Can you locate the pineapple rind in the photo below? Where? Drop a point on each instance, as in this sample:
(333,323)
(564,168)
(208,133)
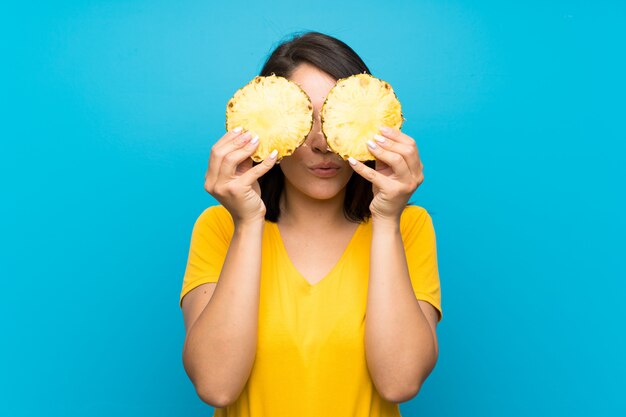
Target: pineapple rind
(275,109)
(354,110)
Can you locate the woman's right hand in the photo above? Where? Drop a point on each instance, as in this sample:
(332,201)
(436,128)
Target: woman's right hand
(233,180)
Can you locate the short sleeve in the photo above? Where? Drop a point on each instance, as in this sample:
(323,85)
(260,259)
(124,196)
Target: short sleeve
(210,239)
(418,236)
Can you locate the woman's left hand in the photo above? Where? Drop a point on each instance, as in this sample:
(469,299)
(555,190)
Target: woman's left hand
(398,173)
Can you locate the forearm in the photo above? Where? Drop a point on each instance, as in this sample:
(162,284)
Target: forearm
(220,348)
(399,344)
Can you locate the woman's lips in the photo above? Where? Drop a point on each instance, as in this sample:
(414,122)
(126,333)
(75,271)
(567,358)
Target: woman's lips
(325,171)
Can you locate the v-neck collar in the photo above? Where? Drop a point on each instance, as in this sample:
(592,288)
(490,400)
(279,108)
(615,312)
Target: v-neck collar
(301,279)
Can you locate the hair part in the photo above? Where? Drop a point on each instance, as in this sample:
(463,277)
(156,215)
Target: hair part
(339,61)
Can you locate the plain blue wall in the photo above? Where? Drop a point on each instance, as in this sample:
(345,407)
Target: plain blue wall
(109,109)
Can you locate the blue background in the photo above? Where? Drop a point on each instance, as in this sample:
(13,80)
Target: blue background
(109,110)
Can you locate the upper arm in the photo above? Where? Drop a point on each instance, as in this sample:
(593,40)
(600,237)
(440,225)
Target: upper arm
(210,240)
(432,315)
(420,243)
(195,301)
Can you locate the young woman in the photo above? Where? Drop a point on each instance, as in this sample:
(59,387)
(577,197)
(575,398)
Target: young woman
(313,288)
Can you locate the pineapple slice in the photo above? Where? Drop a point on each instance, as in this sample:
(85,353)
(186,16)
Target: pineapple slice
(275,109)
(355,108)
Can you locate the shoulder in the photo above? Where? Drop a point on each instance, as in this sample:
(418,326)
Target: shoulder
(414,216)
(214,213)
(413,211)
(215,218)
(416,225)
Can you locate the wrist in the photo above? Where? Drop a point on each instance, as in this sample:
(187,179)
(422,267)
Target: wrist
(249,224)
(384,223)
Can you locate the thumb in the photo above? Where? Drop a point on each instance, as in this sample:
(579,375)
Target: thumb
(244,167)
(256,172)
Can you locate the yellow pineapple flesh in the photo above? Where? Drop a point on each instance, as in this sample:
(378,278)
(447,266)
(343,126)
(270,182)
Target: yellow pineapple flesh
(275,109)
(354,110)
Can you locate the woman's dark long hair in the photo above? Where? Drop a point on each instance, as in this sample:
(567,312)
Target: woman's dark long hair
(338,60)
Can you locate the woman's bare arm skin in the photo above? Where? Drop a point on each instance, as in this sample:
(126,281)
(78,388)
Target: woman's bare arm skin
(400,339)
(221,343)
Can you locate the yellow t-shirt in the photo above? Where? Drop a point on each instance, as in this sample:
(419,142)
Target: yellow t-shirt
(310,358)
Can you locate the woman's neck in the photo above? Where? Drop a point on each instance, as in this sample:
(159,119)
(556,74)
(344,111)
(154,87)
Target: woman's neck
(299,210)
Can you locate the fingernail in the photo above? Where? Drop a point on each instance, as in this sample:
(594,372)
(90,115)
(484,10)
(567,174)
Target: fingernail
(352,160)
(273,154)
(385,129)
(254,140)
(379,138)
(238,129)
(371,144)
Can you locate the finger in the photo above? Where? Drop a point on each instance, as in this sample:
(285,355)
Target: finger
(218,153)
(396,135)
(379,180)
(235,138)
(244,166)
(232,138)
(228,136)
(231,160)
(256,172)
(393,159)
(409,152)
(236,143)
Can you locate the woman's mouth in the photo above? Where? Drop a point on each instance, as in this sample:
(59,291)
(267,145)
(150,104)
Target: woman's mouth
(325,170)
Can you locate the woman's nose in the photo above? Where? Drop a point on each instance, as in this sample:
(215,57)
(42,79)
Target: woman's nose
(318,143)
(316,139)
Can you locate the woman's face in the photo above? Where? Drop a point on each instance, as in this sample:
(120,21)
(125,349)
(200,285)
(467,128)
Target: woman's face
(313,169)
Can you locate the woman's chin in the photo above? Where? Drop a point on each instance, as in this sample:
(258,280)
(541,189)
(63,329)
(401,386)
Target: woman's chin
(323,193)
